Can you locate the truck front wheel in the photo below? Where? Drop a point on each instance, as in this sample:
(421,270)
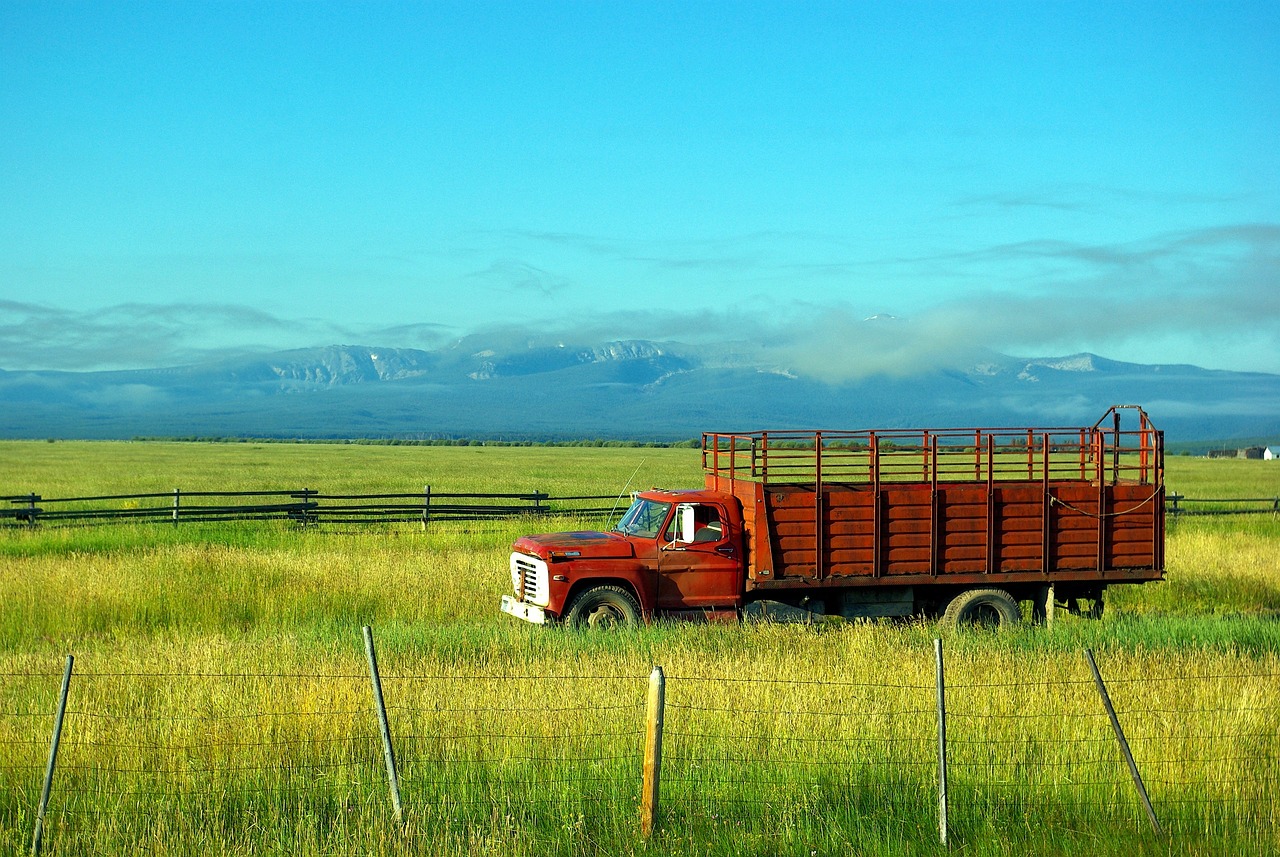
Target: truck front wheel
(604,607)
(982,608)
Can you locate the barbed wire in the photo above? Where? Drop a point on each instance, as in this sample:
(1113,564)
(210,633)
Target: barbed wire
(172,747)
(775,712)
(517,736)
(1048,715)
(542,677)
(673,677)
(216,718)
(1111,681)
(481,709)
(728,759)
(760,736)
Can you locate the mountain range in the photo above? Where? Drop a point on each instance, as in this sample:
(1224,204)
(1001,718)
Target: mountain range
(633,390)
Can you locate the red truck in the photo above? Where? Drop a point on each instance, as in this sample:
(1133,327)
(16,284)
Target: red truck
(963,523)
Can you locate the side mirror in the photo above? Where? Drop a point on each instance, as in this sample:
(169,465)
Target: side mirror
(684,524)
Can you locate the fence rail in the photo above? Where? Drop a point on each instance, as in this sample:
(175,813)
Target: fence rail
(304,506)
(1177,504)
(307,506)
(459,755)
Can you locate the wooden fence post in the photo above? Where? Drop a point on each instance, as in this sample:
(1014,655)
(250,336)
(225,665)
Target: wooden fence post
(1124,744)
(37,835)
(176,495)
(306,508)
(1050,596)
(426,505)
(388,752)
(942,741)
(652,752)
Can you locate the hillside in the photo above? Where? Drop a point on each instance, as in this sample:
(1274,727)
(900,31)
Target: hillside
(623,389)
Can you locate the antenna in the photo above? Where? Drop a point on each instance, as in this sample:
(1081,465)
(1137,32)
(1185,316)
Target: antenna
(623,493)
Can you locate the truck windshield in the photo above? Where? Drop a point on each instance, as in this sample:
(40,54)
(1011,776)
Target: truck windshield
(644,518)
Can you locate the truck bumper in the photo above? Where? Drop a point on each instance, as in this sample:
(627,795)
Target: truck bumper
(520,610)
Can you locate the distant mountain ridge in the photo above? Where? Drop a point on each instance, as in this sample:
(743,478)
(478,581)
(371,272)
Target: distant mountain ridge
(624,389)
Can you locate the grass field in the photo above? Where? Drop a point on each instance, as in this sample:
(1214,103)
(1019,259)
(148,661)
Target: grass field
(220,702)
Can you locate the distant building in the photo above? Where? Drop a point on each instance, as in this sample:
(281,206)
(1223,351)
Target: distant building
(1271,453)
(1251,452)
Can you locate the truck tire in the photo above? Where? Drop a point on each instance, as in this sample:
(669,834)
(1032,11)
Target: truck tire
(982,608)
(603,607)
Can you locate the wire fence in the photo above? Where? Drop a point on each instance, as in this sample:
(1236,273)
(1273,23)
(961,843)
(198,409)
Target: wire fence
(240,757)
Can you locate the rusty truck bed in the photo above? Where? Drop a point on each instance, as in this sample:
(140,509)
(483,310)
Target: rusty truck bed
(956,506)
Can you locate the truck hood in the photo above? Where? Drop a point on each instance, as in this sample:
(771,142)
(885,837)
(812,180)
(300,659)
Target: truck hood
(580,545)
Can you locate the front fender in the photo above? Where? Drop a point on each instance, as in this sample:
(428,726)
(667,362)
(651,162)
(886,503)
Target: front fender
(633,575)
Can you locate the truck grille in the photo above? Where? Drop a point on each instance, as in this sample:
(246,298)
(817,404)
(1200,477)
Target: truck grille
(529,579)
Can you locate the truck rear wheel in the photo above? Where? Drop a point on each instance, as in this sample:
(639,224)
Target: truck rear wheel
(982,608)
(603,607)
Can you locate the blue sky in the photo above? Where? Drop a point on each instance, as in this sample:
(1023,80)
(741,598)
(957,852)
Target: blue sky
(181,180)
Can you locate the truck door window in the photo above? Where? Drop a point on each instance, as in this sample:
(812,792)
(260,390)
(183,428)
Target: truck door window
(707,526)
(711,530)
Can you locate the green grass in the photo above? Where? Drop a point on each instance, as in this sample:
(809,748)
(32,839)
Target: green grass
(80,468)
(221,699)
(1204,478)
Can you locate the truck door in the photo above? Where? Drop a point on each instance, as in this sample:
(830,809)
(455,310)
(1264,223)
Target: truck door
(700,559)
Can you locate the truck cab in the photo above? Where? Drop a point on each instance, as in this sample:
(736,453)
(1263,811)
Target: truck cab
(671,552)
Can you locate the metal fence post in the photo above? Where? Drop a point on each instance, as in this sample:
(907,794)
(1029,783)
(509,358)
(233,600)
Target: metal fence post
(387,751)
(37,835)
(1124,744)
(653,752)
(942,742)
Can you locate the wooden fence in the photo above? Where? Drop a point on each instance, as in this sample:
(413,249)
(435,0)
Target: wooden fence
(305,506)
(1176,504)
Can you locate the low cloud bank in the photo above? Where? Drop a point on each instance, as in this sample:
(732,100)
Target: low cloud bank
(1201,297)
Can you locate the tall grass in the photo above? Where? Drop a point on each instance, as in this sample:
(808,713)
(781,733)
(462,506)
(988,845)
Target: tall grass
(221,701)
(780,738)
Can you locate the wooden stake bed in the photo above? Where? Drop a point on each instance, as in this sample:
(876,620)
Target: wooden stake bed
(957,506)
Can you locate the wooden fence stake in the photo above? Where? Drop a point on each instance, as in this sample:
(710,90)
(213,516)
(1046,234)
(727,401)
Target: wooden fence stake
(1124,744)
(426,506)
(652,752)
(307,514)
(176,495)
(388,751)
(37,835)
(942,742)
